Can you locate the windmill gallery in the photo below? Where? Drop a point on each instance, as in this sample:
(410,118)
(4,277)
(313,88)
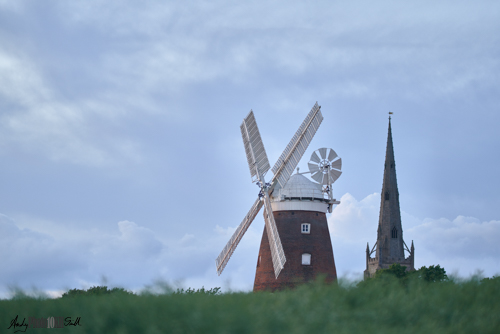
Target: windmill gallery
(296,245)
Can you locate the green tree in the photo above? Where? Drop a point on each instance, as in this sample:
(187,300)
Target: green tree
(431,274)
(494,279)
(96,291)
(395,270)
(399,272)
(202,291)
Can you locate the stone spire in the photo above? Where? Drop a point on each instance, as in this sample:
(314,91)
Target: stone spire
(390,231)
(390,245)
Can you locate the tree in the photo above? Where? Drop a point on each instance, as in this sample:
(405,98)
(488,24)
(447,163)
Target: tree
(431,274)
(494,279)
(96,291)
(395,270)
(202,291)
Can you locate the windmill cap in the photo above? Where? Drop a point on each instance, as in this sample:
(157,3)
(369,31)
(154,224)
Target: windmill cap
(299,193)
(300,186)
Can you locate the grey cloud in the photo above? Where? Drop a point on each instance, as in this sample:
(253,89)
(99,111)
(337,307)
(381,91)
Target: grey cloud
(27,254)
(464,237)
(152,94)
(132,256)
(464,243)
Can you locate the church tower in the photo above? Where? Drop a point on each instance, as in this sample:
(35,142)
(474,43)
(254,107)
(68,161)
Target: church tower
(390,246)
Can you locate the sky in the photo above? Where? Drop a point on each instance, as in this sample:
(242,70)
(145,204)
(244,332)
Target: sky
(122,158)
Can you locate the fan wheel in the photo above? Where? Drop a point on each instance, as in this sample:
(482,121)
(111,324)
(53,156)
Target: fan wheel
(325,166)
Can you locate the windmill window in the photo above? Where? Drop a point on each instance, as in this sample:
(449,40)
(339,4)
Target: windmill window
(394,233)
(386,195)
(305,228)
(306,259)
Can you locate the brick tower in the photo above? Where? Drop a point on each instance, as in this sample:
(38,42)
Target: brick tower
(390,245)
(299,210)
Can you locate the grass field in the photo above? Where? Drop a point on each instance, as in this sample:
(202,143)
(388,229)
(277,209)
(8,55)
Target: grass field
(382,306)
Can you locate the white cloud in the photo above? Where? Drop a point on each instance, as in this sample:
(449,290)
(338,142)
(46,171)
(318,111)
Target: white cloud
(49,259)
(120,69)
(15,6)
(131,244)
(53,256)
(175,45)
(352,220)
(463,236)
(41,122)
(27,254)
(152,50)
(462,245)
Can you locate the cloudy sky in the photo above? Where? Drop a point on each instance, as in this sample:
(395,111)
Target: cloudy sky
(121,154)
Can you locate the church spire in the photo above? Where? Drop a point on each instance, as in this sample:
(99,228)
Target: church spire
(390,245)
(390,238)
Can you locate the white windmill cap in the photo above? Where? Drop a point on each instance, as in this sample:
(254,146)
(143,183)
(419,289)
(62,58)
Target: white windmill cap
(299,193)
(300,186)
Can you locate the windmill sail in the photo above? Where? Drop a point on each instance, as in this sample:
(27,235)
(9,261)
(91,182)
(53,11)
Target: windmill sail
(277,253)
(259,165)
(254,148)
(226,253)
(292,154)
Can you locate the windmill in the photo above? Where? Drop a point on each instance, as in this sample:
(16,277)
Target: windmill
(270,192)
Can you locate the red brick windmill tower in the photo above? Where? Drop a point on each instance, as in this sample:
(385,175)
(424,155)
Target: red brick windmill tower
(296,245)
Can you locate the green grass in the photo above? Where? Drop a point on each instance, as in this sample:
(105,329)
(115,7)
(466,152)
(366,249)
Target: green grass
(382,306)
